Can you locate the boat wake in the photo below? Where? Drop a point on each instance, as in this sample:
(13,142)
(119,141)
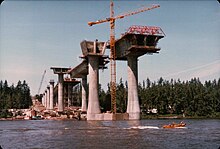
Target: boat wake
(144,127)
(181,127)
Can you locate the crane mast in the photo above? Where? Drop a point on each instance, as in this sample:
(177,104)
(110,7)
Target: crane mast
(41,82)
(112,59)
(111,20)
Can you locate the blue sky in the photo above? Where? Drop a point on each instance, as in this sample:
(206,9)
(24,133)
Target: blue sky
(35,35)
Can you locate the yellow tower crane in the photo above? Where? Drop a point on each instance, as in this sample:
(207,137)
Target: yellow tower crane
(112,19)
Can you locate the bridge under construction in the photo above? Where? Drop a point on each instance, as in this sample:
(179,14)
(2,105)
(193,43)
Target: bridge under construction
(135,42)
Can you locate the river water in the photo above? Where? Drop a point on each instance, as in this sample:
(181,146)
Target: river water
(148,134)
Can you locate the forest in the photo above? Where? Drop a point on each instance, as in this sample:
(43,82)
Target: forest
(191,98)
(14,97)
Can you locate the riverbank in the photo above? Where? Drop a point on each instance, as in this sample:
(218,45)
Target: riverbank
(143,117)
(175,116)
(39,112)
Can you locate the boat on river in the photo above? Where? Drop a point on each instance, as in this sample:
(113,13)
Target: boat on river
(175,125)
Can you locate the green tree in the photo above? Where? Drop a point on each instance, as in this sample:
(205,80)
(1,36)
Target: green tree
(121,97)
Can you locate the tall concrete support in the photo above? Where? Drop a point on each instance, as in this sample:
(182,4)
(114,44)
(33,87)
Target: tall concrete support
(84,90)
(45,99)
(69,94)
(93,101)
(133,107)
(60,93)
(48,97)
(51,94)
(60,71)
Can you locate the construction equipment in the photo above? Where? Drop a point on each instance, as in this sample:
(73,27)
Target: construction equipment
(145,30)
(41,82)
(112,19)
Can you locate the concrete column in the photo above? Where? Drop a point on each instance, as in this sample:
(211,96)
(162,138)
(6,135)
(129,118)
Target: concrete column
(69,94)
(45,99)
(93,102)
(42,101)
(51,94)
(48,97)
(60,93)
(84,90)
(55,101)
(133,107)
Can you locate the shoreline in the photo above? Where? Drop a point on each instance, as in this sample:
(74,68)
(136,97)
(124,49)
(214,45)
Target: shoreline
(177,117)
(143,117)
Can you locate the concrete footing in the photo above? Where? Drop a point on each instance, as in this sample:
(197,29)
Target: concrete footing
(109,116)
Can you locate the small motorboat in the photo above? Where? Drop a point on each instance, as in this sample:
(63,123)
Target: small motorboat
(175,125)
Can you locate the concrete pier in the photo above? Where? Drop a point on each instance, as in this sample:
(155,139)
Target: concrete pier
(68,85)
(60,93)
(51,94)
(45,99)
(93,101)
(84,91)
(93,61)
(60,71)
(81,71)
(69,93)
(133,107)
(48,98)
(129,47)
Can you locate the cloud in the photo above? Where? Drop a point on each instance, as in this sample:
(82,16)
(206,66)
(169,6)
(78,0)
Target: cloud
(205,71)
(208,71)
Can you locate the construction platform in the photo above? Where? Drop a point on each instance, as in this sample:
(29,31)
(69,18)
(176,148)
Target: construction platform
(79,70)
(89,48)
(93,48)
(60,70)
(66,82)
(131,44)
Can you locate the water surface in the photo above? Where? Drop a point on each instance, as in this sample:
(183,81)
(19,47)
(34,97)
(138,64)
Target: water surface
(47,134)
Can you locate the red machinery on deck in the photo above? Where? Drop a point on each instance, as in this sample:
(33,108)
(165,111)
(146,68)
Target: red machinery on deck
(146,30)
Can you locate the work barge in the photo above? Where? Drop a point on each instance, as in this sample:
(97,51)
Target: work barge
(136,42)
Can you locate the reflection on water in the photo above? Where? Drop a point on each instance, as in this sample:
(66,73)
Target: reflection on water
(109,134)
(144,127)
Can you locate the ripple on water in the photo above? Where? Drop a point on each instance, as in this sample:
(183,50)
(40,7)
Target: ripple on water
(108,134)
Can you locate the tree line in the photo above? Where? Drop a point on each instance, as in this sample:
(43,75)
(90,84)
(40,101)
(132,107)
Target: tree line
(191,98)
(14,97)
